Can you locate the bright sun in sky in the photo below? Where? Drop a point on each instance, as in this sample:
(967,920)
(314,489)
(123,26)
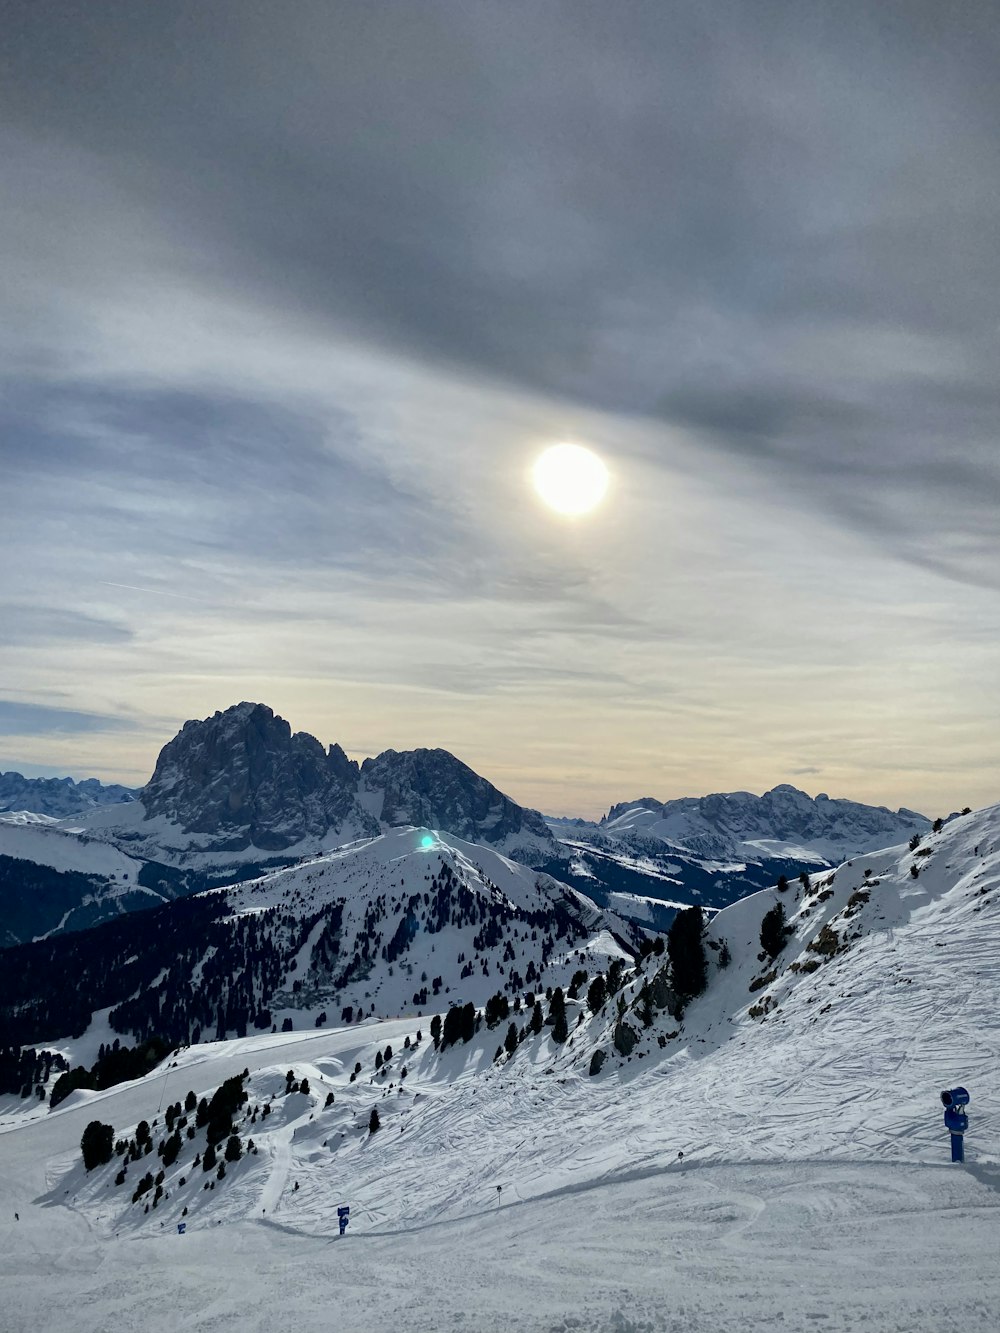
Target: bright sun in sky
(570,479)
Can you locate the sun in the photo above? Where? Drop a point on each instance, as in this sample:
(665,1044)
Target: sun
(570,479)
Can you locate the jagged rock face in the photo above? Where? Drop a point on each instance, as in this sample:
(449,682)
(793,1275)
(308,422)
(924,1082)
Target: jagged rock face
(662,995)
(625,1038)
(716,825)
(433,788)
(243,777)
(58,797)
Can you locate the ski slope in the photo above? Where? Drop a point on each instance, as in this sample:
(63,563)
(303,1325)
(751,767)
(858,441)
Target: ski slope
(814,1190)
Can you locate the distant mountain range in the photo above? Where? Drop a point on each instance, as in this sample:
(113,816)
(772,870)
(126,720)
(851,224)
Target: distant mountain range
(58,797)
(784,822)
(239,794)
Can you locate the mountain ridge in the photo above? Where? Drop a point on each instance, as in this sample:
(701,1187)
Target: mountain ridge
(58,797)
(726,824)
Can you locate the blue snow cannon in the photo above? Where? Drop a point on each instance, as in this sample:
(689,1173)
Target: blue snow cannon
(956,1120)
(955,1097)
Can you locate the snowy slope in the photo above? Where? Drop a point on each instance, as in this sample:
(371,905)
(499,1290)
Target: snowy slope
(405,922)
(93,881)
(814,1190)
(51,845)
(375,881)
(163,840)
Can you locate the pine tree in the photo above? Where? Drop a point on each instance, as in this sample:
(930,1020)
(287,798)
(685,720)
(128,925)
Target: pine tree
(557,1016)
(774,931)
(686,951)
(536,1018)
(597,993)
(97,1144)
(374,1123)
(172,1148)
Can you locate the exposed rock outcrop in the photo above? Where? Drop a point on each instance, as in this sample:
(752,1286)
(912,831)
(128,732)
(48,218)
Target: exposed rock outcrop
(244,778)
(433,788)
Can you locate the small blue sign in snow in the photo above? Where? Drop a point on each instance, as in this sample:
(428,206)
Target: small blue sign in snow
(344,1210)
(181,1228)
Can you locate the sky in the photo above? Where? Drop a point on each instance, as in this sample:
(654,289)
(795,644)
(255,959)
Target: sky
(294,295)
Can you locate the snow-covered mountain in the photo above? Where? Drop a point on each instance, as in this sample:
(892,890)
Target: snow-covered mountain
(240,786)
(239,793)
(784,822)
(57,797)
(379,927)
(777,1146)
(645,858)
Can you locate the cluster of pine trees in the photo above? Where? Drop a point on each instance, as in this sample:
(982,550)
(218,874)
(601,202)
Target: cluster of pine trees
(174,973)
(219,1117)
(23,1071)
(114,1064)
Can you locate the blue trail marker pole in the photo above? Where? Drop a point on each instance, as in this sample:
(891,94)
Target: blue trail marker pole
(343,1216)
(956,1120)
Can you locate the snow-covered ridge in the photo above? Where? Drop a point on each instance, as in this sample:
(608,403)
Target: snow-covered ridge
(52,845)
(387,891)
(784,822)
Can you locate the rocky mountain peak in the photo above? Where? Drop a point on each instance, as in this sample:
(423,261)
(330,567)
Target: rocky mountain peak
(433,788)
(244,777)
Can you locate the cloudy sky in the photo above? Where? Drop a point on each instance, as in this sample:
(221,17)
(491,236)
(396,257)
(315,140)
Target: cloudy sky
(293,294)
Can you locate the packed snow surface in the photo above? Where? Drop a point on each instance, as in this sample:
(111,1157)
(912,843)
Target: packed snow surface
(814,1190)
(51,845)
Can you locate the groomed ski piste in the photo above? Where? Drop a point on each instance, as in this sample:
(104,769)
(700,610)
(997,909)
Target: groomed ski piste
(783,1168)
